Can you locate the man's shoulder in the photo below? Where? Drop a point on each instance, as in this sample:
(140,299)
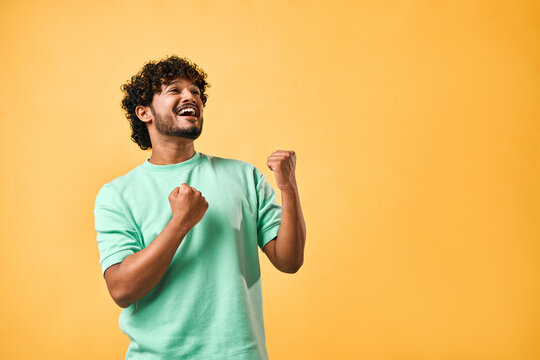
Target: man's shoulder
(231,163)
(227,160)
(108,190)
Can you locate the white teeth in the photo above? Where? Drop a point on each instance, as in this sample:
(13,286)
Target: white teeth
(187,110)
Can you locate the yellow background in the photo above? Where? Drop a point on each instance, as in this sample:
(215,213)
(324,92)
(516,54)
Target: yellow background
(416,128)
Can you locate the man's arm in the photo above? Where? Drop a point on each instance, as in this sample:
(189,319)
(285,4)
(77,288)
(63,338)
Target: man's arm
(286,252)
(139,273)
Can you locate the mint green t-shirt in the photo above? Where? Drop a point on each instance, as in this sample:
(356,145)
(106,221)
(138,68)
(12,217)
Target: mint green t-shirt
(208,305)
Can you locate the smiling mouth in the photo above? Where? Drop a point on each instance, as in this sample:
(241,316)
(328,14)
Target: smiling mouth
(189,117)
(188,111)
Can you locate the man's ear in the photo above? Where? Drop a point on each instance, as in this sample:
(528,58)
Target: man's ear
(143,113)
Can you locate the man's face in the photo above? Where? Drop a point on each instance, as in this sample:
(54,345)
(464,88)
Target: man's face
(178,109)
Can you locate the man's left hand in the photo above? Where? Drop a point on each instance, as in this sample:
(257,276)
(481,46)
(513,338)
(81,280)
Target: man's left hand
(283,164)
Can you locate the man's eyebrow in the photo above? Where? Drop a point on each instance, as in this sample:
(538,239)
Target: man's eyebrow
(175,81)
(171,83)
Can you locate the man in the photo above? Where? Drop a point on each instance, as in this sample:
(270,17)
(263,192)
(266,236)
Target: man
(178,234)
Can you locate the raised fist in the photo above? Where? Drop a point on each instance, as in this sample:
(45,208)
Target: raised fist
(188,205)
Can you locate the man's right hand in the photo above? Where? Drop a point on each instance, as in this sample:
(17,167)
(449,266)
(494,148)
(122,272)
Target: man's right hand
(188,205)
(139,273)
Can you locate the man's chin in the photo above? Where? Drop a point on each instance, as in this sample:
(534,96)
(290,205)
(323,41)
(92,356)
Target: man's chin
(188,134)
(192,137)
(192,131)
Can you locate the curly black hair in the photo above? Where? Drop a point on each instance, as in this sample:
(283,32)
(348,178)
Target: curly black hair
(141,88)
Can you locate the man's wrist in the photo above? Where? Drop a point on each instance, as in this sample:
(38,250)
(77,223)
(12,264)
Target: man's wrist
(178,226)
(293,190)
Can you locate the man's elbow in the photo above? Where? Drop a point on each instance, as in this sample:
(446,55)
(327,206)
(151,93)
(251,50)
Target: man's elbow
(116,284)
(293,269)
(121,297)
(122,304)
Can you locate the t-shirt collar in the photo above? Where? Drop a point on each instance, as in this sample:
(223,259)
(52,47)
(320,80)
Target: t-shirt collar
(189,163)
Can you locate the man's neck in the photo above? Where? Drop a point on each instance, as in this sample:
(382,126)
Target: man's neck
(166,155)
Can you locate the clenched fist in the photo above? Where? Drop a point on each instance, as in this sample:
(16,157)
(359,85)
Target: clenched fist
(283,164)
(188,205)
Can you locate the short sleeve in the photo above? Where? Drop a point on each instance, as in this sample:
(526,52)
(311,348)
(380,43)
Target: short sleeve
(116,237)
(269,212)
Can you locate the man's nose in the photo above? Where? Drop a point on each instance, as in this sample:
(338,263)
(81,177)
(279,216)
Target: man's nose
(187,96)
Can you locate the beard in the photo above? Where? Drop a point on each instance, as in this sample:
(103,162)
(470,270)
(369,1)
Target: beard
(169,127)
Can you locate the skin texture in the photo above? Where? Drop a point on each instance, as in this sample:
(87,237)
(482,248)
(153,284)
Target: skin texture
(286,253)
(172,139)
(169,146)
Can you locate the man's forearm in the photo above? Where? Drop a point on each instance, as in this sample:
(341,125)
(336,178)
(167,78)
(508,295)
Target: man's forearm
(142,271)
(291,237)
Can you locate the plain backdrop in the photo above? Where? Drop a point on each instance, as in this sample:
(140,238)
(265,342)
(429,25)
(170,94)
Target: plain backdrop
(416,128)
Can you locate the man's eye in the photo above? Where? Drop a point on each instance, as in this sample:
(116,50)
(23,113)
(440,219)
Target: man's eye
(173,90)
